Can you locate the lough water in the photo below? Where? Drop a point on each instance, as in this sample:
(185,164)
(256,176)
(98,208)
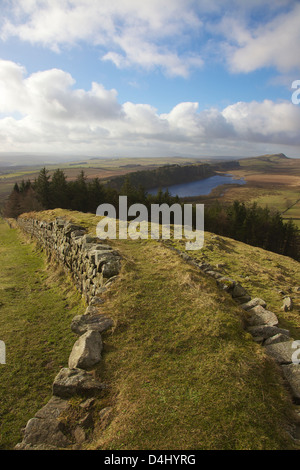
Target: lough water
(200,187)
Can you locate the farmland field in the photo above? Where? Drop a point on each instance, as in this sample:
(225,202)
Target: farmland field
(271,180)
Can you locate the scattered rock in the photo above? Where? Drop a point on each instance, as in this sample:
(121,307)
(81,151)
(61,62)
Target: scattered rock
(83,323)
(221,265)
(260,316)
(86,351)
(281,352)
(243,299)
(70,382)
(92,310)
(214,274)
(287,304)
(253,303)
(258,339)
(226,283)
(96,301)
(239,291)
(104,418)
(87,421)
(79,435)
(88,403)
(279,338)
(291,373)
(267,331)
(45,429)
(281,292)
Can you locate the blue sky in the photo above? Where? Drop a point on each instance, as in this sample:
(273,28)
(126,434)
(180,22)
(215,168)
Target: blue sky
(154,78)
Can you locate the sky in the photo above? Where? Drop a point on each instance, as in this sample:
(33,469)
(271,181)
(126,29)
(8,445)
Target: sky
(157,78)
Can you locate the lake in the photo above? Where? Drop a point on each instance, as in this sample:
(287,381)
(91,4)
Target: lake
(200,187)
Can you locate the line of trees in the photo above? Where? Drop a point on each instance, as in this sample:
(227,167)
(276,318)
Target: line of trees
(166,176)
(81,194)
(254,225)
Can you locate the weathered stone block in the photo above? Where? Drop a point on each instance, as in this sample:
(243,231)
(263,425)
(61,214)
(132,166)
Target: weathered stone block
(291,373)
(281,352)
(86,351)
(83,323)
(239,291)
(260,316)
(266,331)
(287,304)
(279,338)
(45,428)
(70,382)
(253,303)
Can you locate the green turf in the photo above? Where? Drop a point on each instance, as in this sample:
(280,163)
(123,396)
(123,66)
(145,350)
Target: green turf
(36,308)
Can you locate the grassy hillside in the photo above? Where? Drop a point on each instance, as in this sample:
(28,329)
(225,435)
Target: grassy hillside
(263,273)
(182,372)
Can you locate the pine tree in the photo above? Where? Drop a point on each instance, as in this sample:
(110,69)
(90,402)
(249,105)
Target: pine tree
(12,208)
(42,188)
(59,190)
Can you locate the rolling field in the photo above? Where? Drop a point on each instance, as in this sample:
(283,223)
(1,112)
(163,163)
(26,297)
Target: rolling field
(273,181)
(104,169)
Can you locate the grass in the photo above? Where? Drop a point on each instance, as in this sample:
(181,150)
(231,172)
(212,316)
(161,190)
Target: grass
(183,374)
(37,304)
(263,273)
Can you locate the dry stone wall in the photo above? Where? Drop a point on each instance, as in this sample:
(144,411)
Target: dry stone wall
(94,266)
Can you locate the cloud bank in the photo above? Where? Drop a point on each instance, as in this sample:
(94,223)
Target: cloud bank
(45,111)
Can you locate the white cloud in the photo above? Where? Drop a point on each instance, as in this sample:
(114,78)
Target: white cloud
(265,122)
(271,42)
(58,117)
(49,95)
(151,34)
(132,32)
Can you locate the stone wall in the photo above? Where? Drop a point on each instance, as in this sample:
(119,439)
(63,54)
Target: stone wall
(93,266)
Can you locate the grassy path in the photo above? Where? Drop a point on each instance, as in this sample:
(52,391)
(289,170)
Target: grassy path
(36,308)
